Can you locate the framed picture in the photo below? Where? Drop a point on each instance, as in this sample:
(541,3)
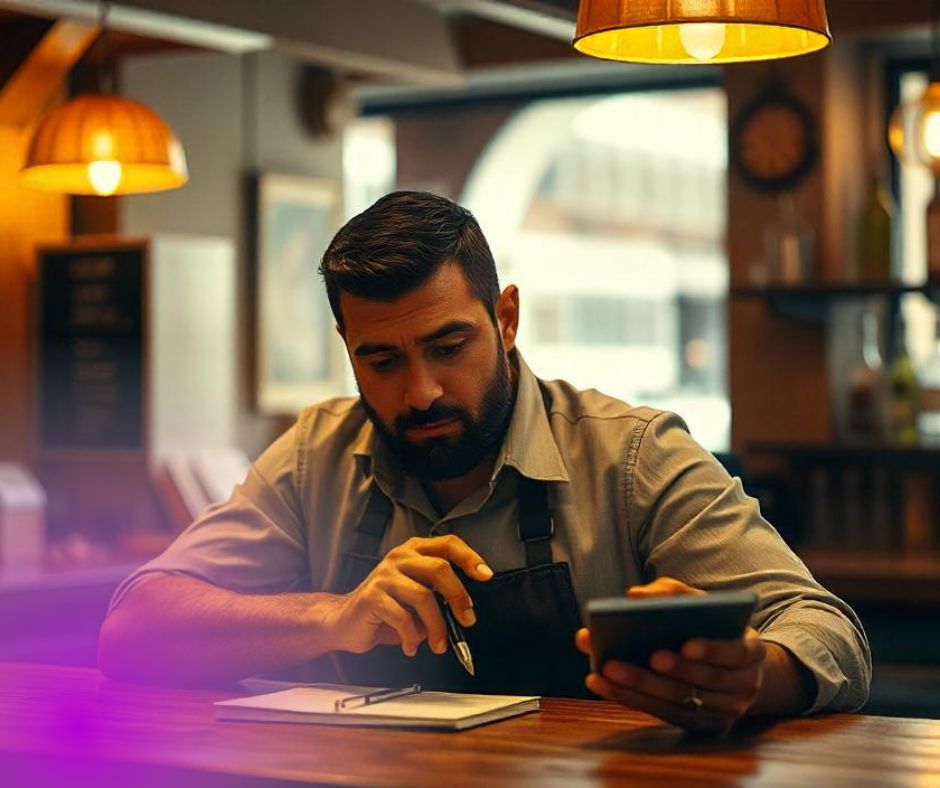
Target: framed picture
(299,354)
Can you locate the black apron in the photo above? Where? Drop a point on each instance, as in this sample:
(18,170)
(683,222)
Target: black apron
(523,641)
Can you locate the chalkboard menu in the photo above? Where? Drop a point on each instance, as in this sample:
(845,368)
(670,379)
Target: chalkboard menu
(91,347)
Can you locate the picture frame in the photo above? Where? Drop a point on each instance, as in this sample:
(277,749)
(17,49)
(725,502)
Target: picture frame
(299,355)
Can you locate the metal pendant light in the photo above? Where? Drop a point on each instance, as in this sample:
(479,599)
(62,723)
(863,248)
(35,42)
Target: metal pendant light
(700,31)
(104,144)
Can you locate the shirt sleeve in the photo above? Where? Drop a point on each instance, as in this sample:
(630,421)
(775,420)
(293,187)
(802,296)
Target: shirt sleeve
(693,521)
(254,543)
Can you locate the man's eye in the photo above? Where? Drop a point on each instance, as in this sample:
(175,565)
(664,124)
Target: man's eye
(448,351)
(384,364)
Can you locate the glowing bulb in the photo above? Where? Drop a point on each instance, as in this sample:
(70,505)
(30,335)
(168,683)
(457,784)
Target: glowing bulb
(932,134)
(702,40)
(104,176)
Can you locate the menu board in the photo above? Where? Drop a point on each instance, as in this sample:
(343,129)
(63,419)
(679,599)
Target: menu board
(91,347)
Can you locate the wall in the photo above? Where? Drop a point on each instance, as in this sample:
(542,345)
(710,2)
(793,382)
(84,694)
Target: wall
(234,116)
(26,218)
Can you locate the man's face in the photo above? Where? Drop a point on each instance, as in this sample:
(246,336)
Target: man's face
(433,372)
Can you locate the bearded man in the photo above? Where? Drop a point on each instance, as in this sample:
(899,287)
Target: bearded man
(459,477)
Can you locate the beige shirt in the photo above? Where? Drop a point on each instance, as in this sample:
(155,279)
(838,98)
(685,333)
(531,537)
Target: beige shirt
(634,498)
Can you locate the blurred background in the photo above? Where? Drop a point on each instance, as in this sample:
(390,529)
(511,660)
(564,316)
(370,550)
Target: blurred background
(755,246)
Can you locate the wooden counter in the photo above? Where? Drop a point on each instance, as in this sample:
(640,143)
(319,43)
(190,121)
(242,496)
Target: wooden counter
(72,727)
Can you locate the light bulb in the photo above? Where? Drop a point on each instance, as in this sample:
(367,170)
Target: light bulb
(702,40)
(932,133)
(104,176)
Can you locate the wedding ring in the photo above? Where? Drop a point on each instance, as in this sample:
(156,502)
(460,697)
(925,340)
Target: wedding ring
(694,700)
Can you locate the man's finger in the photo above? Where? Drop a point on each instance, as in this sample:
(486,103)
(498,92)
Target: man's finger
(737,653)
(438,574)
(701,720)
(663,586)
(458,552)
(399,619)
(743,682)
(632,677)
(420,599)
(582,641)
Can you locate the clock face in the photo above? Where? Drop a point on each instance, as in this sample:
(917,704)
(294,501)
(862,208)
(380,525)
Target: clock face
(773,143)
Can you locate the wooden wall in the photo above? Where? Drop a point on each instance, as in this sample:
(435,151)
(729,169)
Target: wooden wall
(26,218)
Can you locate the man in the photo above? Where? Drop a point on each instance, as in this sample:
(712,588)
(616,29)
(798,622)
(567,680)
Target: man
(457,475)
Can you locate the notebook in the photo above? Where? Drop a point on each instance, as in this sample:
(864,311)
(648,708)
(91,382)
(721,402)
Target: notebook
(315,704)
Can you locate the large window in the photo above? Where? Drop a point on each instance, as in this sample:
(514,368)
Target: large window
(608,212)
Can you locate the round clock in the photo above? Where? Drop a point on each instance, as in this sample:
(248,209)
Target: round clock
(773,142)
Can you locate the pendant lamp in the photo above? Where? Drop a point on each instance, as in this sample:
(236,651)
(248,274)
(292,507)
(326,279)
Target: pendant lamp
(104,144)
(914,129)
(700,31)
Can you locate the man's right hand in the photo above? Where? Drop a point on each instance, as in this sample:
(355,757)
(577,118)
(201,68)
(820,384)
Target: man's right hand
(395,604)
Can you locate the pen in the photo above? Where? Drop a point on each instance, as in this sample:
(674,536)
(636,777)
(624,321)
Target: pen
(456,637)
(355,701)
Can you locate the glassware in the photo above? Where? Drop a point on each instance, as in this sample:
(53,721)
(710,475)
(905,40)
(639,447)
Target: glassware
(928,417)
(903,389)
(874,235)
(865,419)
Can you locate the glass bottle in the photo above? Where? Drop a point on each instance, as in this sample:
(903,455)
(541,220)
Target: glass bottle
(903,389)
(874,235)
(933,234)
(928,417)
(866,402)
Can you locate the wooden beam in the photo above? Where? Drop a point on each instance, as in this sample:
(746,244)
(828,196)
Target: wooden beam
(393,39)
(34,85)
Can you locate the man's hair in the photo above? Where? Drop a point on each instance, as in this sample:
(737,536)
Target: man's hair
(396,244)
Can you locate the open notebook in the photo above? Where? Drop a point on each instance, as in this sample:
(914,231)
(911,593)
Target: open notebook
(315,704)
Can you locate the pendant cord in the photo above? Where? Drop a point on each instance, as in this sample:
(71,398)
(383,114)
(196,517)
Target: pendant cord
(105,65)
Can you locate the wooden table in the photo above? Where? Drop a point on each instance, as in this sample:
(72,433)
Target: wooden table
(72,727)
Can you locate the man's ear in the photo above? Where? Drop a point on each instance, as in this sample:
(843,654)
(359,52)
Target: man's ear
(507,316)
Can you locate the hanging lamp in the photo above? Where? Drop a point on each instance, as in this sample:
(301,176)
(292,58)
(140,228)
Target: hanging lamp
(700,31)
(914,128)
(104,144)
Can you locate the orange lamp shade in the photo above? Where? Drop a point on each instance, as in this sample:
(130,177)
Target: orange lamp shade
(103,145)
(700,31)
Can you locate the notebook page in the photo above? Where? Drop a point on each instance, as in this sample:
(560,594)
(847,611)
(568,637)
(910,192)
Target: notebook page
(440,705)
(426,705)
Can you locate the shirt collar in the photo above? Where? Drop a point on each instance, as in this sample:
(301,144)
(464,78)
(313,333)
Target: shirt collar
(529,445)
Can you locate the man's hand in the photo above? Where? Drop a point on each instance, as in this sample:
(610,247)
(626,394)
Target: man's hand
(726,675)
(395,604)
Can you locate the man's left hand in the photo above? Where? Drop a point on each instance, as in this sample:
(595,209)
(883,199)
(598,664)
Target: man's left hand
(706,687)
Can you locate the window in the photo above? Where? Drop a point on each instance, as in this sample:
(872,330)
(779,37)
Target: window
(608,212)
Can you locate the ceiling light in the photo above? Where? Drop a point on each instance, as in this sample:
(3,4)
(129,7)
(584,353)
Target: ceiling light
(700,31)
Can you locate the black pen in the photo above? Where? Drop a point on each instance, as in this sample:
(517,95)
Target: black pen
(456,637)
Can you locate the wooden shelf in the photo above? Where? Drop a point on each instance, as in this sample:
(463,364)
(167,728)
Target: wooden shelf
(811,302)
(881,454)
(908,578)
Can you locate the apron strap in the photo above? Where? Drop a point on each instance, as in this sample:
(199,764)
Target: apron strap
(536,526)
(372,525)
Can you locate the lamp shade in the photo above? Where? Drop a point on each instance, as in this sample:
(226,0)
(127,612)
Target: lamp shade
(700,31)
(97,144)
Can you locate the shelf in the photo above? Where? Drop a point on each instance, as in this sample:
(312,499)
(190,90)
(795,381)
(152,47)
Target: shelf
(884,454)
(908,578)
(811,302)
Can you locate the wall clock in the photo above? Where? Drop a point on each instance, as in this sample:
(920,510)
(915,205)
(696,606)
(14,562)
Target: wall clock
(774,143)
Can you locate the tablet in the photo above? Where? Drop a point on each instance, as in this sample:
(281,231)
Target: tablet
(632,629)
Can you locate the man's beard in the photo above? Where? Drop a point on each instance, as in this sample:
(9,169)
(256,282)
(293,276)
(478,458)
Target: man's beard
(443,457)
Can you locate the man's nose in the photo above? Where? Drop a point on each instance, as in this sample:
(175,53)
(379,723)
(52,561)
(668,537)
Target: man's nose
(422,389)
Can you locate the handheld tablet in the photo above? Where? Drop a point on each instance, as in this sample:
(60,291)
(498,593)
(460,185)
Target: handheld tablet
(632,629)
